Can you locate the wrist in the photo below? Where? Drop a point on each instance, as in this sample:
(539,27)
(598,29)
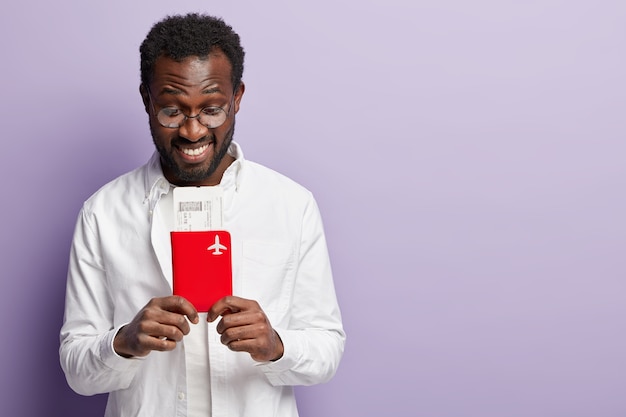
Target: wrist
(280,348)
(119,345)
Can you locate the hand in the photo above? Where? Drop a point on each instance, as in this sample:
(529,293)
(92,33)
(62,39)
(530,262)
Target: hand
(158,326)
(245,328)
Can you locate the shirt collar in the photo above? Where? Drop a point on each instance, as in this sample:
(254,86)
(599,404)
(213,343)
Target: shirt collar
(156,185)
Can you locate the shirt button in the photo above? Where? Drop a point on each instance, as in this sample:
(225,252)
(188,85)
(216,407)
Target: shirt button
(181,395)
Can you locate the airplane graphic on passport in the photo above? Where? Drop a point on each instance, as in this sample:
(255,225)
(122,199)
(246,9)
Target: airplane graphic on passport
(217,246)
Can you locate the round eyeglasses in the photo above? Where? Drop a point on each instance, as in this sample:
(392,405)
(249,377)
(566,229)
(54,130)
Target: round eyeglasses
(173,117)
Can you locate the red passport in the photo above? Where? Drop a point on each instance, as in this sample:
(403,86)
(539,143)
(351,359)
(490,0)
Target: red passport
(202,266)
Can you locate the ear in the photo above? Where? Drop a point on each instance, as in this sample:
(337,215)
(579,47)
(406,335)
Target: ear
(144,97)
(239,95)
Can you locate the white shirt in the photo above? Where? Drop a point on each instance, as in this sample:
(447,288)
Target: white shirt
(196,350)
(121,258)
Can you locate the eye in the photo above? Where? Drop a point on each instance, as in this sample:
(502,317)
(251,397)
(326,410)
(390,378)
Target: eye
(171,111)
(211,111)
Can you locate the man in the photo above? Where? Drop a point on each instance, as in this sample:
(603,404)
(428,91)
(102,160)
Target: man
(124,332)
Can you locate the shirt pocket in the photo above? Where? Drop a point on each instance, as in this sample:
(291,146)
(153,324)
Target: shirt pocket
(268,274)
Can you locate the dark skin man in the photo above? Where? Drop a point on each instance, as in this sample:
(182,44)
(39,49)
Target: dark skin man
(195,155)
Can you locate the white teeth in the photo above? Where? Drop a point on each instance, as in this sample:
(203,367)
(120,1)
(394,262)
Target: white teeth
(195,152)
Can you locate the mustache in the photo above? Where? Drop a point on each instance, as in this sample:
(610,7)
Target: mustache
(180,141)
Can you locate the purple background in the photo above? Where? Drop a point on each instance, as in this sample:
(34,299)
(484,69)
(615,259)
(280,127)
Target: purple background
(468,158)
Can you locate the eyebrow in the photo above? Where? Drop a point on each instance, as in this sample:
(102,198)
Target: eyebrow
(211,90)
(177,92)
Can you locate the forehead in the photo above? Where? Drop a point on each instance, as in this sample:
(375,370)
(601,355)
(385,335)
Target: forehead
(213,70)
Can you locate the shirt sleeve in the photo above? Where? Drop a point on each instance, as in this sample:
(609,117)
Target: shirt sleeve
(86,352)
(314,340)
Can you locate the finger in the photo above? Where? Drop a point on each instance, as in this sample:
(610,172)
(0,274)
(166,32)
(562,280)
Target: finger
(240,345)
(240,333)
(154,317)
(175,329)
(229,304)
(253,339)
(141,339)
(180,305)
(243,318)
(150,343)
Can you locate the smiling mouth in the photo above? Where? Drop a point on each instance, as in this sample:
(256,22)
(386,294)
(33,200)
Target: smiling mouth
(195,152)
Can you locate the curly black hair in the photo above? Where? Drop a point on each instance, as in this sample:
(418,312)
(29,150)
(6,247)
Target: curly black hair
(193,34)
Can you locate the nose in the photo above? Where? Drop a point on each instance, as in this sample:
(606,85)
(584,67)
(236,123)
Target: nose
(192,129)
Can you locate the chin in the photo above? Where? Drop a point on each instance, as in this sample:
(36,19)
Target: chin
(193,175)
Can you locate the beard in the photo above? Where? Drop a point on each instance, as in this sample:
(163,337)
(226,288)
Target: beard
(195,174)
